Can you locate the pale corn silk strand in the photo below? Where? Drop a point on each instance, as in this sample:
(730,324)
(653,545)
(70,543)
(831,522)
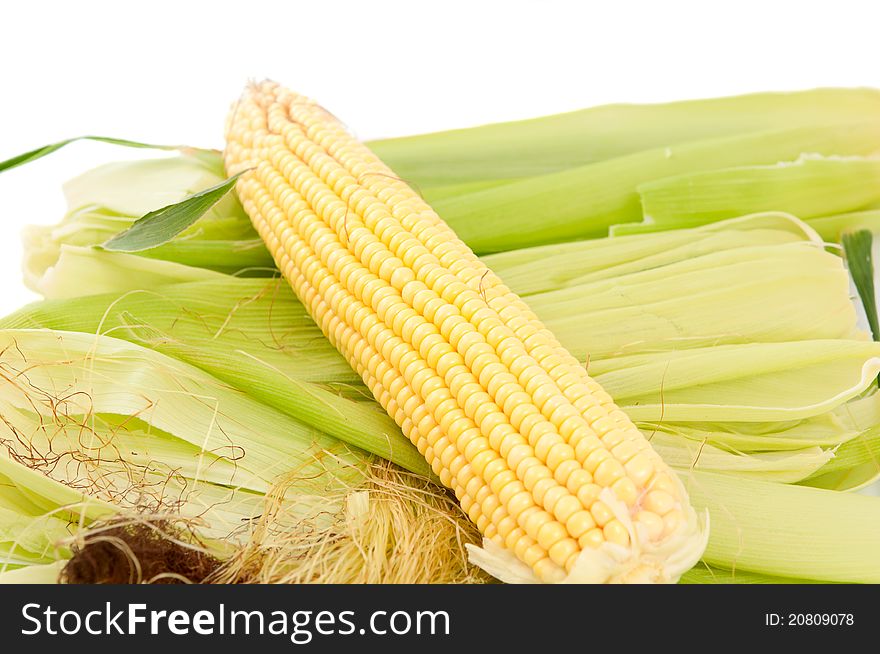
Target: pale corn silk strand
(558,480)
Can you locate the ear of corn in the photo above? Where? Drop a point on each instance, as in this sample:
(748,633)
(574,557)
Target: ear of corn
(540,458)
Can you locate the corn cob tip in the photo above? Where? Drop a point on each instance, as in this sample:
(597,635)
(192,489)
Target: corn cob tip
(643,562)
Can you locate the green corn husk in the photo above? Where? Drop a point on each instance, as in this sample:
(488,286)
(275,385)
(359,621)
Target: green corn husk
(755,382)
(707,574)
(785,467)
(855,464)
(434,194)
(754,525)
(46,573)
(94,425)
(848,421)
(730,297)
(858,251)
(138,187)
(113,376)
(567,264)
(831,228)
(110,272)
(20,540)
(584,202)
(809,187)
(494,153)
(39,513)
(248,366)
(108,199)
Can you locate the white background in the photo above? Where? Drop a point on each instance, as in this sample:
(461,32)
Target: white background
(167,71)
